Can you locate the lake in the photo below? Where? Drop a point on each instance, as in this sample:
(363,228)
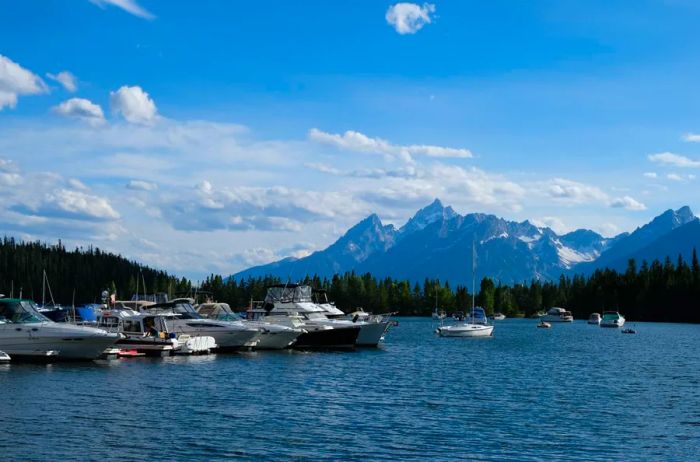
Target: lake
(574,392)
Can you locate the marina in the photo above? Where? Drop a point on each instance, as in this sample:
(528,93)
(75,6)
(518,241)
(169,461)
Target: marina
(436,389)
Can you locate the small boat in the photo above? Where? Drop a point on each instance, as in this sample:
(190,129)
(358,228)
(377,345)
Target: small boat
(538,315)
(612,319)
(594,318)
(556,314)
(476,324)
(544,325)
(628,331)
(498,316)
(190,345)
(4,357)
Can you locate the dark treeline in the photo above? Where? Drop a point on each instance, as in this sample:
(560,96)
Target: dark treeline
(87,271)
(660,291)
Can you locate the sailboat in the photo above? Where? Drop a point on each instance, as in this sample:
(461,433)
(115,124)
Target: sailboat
(438,314)
(470,328)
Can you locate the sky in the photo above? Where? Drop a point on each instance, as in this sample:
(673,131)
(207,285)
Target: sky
(205,137)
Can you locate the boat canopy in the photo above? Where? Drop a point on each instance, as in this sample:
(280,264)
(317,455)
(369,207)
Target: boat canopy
(289,293)
(14,310)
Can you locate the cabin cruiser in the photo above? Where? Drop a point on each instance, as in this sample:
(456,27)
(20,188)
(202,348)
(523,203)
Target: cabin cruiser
(272,336)
(498,316)
(612,319)
(292,305)
(594,318)
(25,332)
(148,334)
(557,314)
(476,325)
(4,357)
(372,327)
(228,335)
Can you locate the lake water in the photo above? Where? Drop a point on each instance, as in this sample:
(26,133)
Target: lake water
(573,392)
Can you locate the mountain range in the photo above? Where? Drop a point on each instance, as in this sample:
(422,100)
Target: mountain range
(437,243)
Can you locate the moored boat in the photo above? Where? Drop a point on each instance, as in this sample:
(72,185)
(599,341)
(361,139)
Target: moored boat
(26,333)
(612,319)
(594,318)
(556,314)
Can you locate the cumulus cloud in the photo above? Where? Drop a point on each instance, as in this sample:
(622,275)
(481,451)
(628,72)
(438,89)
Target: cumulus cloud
(76,204)
(572,192)
(81,109)
(669,158)
(133,104)
(359,142)
(141,185)
(130,6)
(15,81)
(628,203)
(66,79)
(556,224)
(409,18)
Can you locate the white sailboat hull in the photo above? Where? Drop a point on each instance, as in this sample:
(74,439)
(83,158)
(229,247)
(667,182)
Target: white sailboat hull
(466,330)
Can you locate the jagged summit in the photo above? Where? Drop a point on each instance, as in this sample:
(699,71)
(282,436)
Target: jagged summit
(436,243)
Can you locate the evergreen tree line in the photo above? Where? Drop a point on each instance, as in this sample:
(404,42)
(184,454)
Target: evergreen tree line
(86,271)
(661,291)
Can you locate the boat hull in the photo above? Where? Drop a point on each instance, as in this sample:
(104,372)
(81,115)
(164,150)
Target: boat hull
(619,323)
(371,333)
(334,338)
(548,318)
(71,342)
(466,330)
(277,340)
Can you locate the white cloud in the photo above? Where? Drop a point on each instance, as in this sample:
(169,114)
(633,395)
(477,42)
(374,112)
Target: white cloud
(133,104)
(556,224)
(77,184)
(668,158)
(15,81)
(691,137)
(141,185)
(650,174)
(130,6)
(66,79)
(359,142)
(573,192)
(628,203)
(78,204)
(679,177)
(81,109)
(409,18)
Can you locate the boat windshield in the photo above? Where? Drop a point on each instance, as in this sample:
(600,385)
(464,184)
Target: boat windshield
(289,294)
(19,312)
(610,315)
(316,316)
(186,311)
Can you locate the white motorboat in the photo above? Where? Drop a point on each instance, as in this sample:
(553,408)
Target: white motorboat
(543,325)
(594,318)
(612,319)
(476,324)
(272,336)
(373,327)
(292,305)
(228,335)
(498,316)
(4,357)
(557,314)
(26,333)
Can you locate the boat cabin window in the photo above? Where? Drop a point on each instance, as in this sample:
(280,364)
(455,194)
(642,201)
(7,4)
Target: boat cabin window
(108,321)
(316,316)
(132,325)
(289,294)
(23,311)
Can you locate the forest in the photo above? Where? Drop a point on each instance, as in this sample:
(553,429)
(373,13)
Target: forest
(667,291)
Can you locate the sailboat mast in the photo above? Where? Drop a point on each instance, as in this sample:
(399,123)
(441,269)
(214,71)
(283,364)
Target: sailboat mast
(473,276)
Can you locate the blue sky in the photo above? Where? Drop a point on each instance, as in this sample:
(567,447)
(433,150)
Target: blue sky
(209,136)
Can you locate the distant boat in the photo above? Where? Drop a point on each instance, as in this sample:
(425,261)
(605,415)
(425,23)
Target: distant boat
(473,327)
(441,314)
(557,314)
(537,315)
(594,318)
(498,316)
(628,331)
(4,357)
(612,319)
(544,325)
